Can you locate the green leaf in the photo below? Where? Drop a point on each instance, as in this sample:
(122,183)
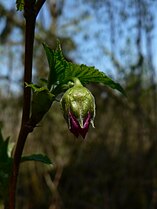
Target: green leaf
(91,75)
(5,167)
(3,148)
(20,5)
(37,157)
(62,71)
(57,64)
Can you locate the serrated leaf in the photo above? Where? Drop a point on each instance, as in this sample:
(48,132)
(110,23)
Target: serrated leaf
(20,5)
(91,75)
(57,64)
(61,71)
(37,157)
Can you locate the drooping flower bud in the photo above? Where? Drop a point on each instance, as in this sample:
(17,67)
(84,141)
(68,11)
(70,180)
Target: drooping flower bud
(78,105)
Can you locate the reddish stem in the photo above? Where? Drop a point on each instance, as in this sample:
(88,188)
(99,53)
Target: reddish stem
(25,130)
(30,12)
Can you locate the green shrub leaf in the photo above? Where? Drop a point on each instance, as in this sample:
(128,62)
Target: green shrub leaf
(62,71)
(57,65)
(37,157)
(5,167)
(20,5)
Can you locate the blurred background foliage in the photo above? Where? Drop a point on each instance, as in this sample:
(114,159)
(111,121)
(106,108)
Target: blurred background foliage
(116,166)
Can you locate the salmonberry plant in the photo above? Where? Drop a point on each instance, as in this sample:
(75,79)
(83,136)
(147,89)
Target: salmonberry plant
(77,102)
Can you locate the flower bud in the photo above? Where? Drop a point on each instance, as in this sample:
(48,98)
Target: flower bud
(78,105)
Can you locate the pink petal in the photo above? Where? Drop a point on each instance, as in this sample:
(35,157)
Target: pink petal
(75,126)
(83,131)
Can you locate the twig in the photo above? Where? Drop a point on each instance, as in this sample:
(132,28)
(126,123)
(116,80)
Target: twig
(38,6)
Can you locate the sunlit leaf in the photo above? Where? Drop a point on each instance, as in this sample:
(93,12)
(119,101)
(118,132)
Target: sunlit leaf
(61,71)
(91,75)
(20,5)
(57,64)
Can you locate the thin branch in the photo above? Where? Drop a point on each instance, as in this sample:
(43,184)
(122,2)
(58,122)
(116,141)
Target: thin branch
(24,131)
(30,15)
(38,6)
(17,158)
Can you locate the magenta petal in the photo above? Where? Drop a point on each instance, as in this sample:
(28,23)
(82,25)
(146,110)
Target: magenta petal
(84,130)
(87,121)
(74,125)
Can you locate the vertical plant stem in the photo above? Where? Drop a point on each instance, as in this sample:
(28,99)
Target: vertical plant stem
(31,10)
(16,163)
(25,129)
(29,34)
